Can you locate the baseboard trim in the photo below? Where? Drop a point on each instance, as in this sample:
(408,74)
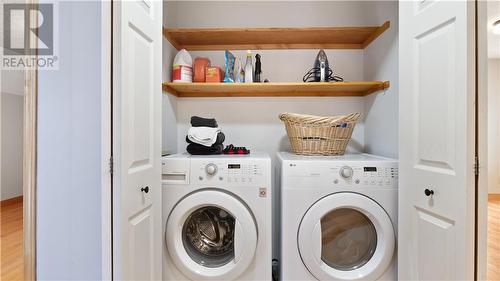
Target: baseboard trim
(11,201)
(494,196)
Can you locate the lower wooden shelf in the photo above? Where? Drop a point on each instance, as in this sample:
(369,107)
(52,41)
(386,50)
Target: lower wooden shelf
(322,89)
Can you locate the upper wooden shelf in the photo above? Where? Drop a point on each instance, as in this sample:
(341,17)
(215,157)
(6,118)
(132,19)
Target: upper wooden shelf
(334,89)
(211,39)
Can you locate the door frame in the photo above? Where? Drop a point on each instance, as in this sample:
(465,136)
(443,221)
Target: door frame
(481,196)
(106,140)
(30,161)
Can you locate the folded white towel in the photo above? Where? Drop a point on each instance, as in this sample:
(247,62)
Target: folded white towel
(203,135)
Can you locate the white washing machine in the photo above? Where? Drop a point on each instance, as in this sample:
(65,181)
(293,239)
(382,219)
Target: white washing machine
(217,217)
(338,217)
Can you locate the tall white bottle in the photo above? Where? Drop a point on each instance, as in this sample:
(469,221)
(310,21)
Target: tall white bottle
(249,68)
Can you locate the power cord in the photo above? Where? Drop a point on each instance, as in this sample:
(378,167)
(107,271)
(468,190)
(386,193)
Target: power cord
(310,76)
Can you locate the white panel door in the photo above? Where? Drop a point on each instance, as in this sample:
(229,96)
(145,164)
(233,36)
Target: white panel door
(137,39)
(436,197)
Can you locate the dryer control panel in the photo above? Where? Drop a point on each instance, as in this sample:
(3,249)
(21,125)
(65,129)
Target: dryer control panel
(211,171)
(366,175)
(350,170)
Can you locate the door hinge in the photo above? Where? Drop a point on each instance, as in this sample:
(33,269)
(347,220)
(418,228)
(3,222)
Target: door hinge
(111,165)
(476,165)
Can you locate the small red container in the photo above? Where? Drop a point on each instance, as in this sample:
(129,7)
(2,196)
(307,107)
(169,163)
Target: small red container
(200,65)
(214,74)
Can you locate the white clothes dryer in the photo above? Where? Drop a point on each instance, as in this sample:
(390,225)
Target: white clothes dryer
(217,217)
(338,217)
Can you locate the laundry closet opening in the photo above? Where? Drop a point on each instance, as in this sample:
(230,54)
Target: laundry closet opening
(366,55)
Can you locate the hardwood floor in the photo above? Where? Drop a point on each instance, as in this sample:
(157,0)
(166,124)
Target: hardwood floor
(11,235)
(493,238)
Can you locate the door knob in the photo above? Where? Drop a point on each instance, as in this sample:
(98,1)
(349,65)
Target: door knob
(145,189)
(429,192)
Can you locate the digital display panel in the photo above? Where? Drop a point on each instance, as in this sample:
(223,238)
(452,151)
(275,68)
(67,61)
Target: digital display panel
(233,166)
(370,169)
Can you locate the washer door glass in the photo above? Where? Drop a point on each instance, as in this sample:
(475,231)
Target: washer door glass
(208,236)
(211,241)
(348,239)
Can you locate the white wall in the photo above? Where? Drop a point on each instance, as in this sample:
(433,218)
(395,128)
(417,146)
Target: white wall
(493,126)
(12,82)
(267,13)
(11,145)
(69,150)
(253,122)
(11,133)
(169,102)
(493,14)
(381,63)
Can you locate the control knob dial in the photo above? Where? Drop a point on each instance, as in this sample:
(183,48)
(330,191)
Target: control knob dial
(346,172)
(211,169)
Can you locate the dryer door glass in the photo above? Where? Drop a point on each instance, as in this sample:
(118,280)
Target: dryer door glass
(208,236)
(348,239)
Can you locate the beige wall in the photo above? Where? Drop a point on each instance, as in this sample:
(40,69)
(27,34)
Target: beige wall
(11,130)
(494,125)
(11,146)
(493,11)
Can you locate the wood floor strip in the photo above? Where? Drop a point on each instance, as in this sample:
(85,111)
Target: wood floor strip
(494,197)
(12,201)
(493,237)
(11,234)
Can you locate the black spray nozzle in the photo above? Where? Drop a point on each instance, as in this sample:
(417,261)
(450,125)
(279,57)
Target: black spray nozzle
(258,68)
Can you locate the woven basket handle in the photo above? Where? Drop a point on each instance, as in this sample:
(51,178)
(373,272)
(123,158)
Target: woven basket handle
(309,119)
(352,117)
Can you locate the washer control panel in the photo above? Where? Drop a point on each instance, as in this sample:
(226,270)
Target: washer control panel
(234,172)
(211,169)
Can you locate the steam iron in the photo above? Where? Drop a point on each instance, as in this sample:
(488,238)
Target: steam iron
(321,67)
(321,71)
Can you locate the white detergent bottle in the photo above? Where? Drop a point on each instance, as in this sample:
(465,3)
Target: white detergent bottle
(182,68)
(249,68)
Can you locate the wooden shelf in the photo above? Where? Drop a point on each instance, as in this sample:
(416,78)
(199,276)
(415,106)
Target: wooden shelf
(210,39)
(333,89)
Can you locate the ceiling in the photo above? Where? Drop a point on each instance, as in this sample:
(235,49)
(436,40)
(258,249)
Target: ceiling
(493,39)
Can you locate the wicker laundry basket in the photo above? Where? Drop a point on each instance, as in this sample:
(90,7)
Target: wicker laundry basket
(316,135)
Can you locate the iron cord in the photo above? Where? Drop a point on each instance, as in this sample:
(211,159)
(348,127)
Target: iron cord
(310,76)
